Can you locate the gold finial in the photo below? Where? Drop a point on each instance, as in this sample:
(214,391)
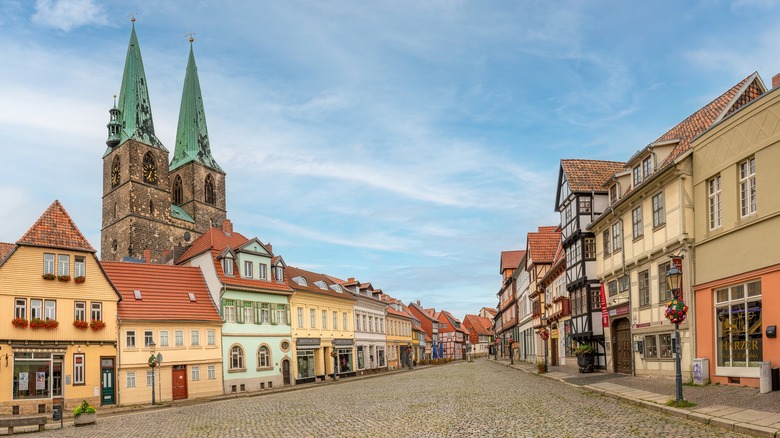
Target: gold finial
(132,17)
(115,101)
(190,36)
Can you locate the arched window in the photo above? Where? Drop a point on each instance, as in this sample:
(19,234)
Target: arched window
(149,169)
(115,172)
(263,357)
(177,191)
(236,358)
(211,197)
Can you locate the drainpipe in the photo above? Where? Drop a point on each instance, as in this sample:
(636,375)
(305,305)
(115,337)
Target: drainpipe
(623,271)
(686,250)
(118,361)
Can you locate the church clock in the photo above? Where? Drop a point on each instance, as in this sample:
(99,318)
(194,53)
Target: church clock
(115,173)
(149,170)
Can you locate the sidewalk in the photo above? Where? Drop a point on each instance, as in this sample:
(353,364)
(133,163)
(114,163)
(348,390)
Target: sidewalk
(737,409)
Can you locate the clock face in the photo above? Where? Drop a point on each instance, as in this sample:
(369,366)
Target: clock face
(115,174)
(150,173)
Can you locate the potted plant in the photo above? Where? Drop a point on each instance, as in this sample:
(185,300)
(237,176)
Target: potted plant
(19,322)
(51,324)
(64,278)
(81,324)
(48,276)
(585,355)
(79,279)
(97,325)
(84,414)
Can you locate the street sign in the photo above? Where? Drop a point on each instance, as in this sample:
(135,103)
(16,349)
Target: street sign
(159,359)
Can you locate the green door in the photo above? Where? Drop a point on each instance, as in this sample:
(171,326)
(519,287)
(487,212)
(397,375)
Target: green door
(107,383)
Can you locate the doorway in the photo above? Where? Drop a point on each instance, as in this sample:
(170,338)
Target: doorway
(622,353)
(107,392)
(554,352)
(286,371)
(179,382)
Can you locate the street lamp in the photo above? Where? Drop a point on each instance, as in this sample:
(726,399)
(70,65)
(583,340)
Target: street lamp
(152,363)
(676,311)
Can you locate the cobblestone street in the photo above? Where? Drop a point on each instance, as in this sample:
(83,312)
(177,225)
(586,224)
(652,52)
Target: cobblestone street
(462,399)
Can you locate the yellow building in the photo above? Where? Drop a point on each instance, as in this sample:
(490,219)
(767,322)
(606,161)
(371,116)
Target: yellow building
(322,327)
(59,339)
(399,334)
(167,313)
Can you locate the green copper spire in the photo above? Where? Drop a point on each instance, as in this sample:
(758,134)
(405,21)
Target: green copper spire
(192,136)
(135,111)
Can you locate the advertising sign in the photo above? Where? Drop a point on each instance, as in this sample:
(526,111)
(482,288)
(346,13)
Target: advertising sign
(604,314)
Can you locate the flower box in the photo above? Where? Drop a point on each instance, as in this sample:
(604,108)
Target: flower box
(51,324)
(80,279)
(97,325)
(81,325)
(19,322)
(37,323)
(49,276)
(64,278)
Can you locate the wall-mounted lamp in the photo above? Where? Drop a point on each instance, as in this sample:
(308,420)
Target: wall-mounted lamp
(79,349)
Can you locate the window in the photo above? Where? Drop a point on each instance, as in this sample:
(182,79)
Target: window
(651,347)
(261,271)
(335,320)
(150,378)
(229,310)
(605,238)
(48,264)
(664,293)
(617,239)
(665,346)
(613,194)
(78,369)
(612,287)
(195,373)
(96,313)
(212,370)
(148,337)
(312,319)
(236,358)
(248,269)
(367,327)
(50,309)
(79,266)
(344,321)
(636,222)
(659,216)
(637,175)
(131,379)
(211,337)
(585,204)
(324,319)
(263,357)
(227,265)
(195,338)
(281,314)
(36,309)
(595,298)
(63,266)
(178,197)
(249,312)
(178,338)
(130,339)
(279,273)
(265,316)
(738,310)
(713,193)
(210,195)
(647,166)
(163,338)
(747,187)
(644,288)
(300,317)
(590,248)
(80,311)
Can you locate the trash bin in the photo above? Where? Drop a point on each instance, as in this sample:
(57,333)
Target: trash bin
(775,379)
(765,377)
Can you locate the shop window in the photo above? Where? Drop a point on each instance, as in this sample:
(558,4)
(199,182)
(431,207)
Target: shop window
(739,340)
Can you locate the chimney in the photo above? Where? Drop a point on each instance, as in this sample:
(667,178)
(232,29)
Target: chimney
(148,255)
(227,226)
(351,279)
(775,80)
(270,247)
(418,303)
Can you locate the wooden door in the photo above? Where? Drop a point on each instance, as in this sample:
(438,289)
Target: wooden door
(554,352)
(286,371)
(623,347)
(179,374)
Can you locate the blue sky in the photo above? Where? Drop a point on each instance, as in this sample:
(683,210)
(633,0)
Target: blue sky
(403,143)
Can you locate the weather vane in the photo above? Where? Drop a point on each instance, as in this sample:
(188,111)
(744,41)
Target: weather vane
(132,16)
(190,36)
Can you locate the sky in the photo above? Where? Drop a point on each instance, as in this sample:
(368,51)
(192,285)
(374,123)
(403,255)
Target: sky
(402,143)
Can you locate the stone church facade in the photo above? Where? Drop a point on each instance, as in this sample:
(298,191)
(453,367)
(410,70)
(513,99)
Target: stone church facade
(151,201)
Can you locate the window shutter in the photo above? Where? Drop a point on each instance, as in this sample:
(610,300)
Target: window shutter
(272,310)
(239,311)
(222,308)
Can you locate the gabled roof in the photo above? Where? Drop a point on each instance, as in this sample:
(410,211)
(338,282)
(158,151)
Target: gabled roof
(543,244)
(164,291)
(589,175)
(214,238)
(5,249)
(456,324)
(399,313)
(490,310)
(482,326)
(425,312)
(511,259)
(311,279)
(55,229)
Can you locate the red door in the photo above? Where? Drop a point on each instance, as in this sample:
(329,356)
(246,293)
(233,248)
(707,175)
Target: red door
(179,382)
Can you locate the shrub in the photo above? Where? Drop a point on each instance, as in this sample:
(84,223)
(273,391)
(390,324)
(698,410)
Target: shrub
(83,408)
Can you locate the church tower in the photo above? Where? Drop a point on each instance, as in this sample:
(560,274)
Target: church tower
(139,212)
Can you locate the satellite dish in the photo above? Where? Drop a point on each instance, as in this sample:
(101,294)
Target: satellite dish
(186,236)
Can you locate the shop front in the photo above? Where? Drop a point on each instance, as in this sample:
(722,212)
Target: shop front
(343,349)
(305,349)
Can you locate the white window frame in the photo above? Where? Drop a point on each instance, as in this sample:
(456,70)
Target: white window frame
(247,269)
(313,318)
(80,311)
(50,309)
(637,227)
(164,338)
(150,377)
(747,187)
(262,271)
(63,264)
(148,337)
(324,319)
(227,266)
(714,203)
(96,311)
(78,369)
(212,372)
(195,338)
(617,237)
(79,266)
(659,210)
(130,339)
(130,378)
(48,263)
(178,338)
(195,371)
(211,337)
(300,317)
(335,320)
(36,308)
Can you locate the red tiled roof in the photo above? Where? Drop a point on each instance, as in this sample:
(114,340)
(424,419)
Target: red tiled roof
(590,175)
(164,292)
(246,283)
(490,310)
(55,229)
(482,326)
(543,244)
(311,278)
(511,259)
(5,249)
(454,320)
(213,238)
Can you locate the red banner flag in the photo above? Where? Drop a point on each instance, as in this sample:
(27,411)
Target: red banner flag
(604,313)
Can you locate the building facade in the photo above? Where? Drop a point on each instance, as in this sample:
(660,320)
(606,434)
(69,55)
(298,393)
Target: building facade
(370,338)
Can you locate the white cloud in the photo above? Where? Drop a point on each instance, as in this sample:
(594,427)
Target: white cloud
(68,14)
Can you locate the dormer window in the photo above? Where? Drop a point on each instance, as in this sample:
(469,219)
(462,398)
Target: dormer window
(613,194)
(137,294)
(191,295)
(279,273)
(300,281)
(637,175)
(227,265)
(647,166)
(337,287)
(248,269)
(321,284)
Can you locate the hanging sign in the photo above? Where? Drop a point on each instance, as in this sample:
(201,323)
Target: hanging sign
(604,314)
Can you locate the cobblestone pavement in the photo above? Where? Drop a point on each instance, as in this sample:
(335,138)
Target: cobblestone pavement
(481,399)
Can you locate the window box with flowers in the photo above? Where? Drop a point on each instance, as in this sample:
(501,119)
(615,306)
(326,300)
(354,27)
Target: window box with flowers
(48,324)
(80,279)
(64,278)
(97,325)
(83,325)
(49,276)
(19,322)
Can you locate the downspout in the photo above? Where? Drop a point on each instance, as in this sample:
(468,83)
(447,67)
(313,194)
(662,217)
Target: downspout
(118,360)
(688,267)
(623,271)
